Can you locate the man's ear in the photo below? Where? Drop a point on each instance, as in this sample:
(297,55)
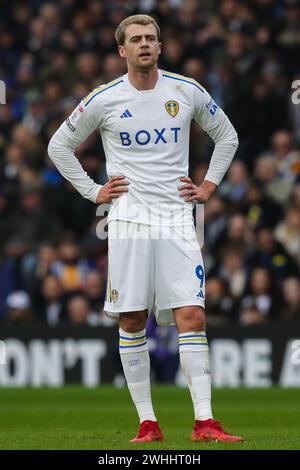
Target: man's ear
(159,48)
(122,52)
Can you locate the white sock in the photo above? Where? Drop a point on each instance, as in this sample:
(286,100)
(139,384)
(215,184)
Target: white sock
(136,365)
(194,361)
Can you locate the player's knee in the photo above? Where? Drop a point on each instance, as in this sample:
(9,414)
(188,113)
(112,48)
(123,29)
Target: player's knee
(196,324)
(133,322)
(190,319)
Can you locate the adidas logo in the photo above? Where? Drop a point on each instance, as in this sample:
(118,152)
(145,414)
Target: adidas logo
(126,114)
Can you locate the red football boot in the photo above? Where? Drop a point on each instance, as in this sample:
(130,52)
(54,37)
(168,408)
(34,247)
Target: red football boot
(149,431)
(212,430)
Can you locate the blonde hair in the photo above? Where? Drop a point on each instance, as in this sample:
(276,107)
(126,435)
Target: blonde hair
(134,19)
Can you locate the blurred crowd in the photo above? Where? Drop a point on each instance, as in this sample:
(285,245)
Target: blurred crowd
(247,54)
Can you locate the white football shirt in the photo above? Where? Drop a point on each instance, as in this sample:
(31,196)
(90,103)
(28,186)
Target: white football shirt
(145,136)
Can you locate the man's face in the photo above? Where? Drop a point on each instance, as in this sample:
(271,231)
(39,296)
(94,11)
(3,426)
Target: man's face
(141,47)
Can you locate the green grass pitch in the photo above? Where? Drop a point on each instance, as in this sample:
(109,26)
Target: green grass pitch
(104,418)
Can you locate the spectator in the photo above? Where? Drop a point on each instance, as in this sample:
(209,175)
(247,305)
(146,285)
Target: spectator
(272,255)
(232,269)
(70,269)
(95,289)
(216,218)
(220,306)
(27,227)
(295,196)
(237,233)
(172,54)
(194,67)
(79,311)
(8,283)
(266,174)
(259,209)
(287,232)
(287,159)
(50,308)
(4,214)
(261,296)
(18,309)
(235,186)
(113,67)
(252,316)
(291,295)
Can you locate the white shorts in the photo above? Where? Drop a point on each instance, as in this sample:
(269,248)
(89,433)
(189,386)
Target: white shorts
(153,268)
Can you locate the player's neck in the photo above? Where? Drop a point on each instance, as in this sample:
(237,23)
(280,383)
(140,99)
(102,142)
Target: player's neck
(143,80)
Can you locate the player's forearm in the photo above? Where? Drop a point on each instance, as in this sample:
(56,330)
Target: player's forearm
(68,165)
(226,144)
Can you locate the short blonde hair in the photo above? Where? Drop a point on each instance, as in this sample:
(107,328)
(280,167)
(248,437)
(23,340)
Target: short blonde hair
(134,19)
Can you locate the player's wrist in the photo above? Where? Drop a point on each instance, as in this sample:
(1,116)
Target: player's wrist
(97,194)
(209,187)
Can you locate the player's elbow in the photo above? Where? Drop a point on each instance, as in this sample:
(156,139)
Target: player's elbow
(49,150)
(231,138)
(231,135)
(53,148)
(235,139)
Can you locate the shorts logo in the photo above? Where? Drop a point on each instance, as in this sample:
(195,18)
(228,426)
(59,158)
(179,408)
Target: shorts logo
(172,108)
(200,275)
(115,295)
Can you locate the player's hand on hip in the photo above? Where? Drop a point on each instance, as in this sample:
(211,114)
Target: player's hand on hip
(191,192)
(113,189)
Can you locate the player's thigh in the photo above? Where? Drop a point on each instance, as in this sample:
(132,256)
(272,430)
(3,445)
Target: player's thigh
(179,273)
(130,285)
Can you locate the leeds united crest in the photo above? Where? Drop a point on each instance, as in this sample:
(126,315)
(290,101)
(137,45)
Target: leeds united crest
(172,108)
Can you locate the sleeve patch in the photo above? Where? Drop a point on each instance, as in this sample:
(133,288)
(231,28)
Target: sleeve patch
(76,114)
(70,126)
(212,107)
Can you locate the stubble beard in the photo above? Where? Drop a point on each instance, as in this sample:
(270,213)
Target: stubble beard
(140,67)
